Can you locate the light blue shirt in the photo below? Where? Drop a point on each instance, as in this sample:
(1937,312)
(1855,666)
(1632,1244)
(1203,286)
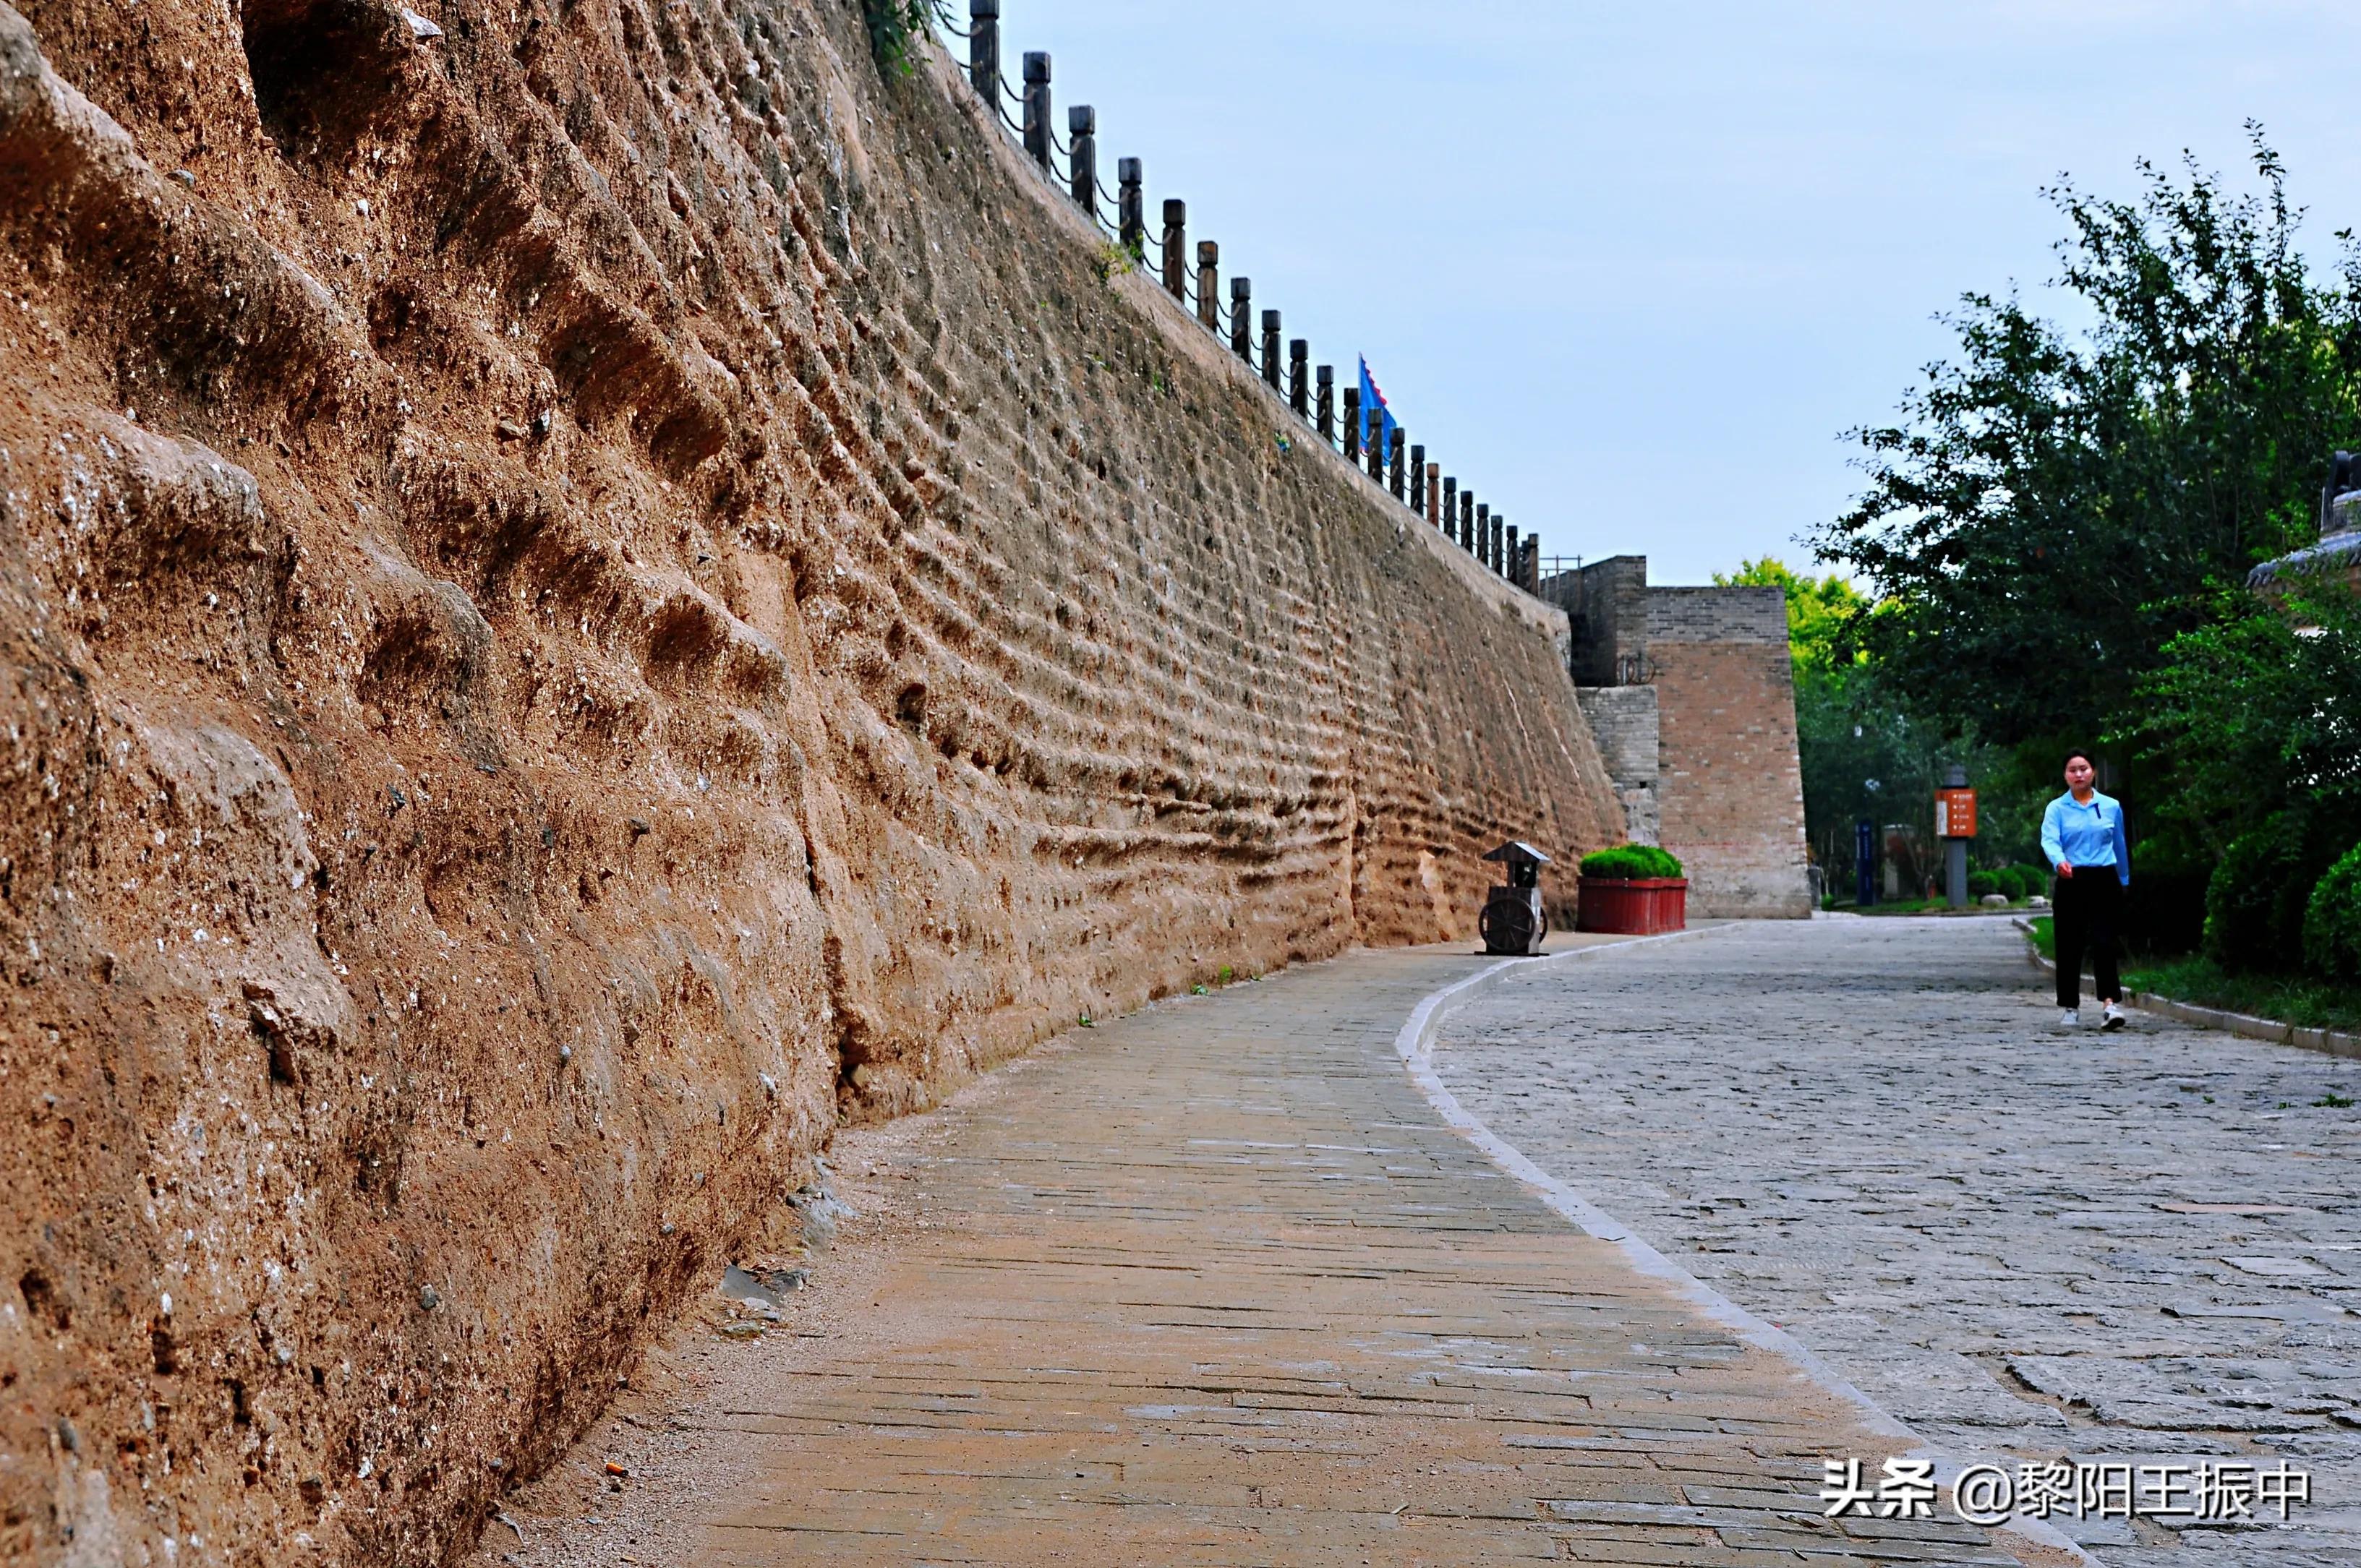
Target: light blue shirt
(2091,834)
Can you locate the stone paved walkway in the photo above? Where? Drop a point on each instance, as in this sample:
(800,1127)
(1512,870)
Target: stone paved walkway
(1215,1286)
(2140,1245)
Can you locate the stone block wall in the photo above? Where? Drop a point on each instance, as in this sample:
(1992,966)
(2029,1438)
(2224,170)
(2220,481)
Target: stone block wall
(1607,610)
(1731,779)
(1691,694)
(1626,722)
(583,596)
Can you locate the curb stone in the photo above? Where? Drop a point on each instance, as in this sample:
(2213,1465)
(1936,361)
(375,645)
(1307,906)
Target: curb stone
(2032,1540)
(2334,1042)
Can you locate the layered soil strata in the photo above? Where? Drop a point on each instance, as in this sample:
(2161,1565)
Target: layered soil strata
(586,591)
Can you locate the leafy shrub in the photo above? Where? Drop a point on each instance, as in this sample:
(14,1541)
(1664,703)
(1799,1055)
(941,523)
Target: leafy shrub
(2035,878)
(2332,920)
(1982,884)
(2164,912)
(893,25)
(2255,899)
(1630,862)
(2009,879)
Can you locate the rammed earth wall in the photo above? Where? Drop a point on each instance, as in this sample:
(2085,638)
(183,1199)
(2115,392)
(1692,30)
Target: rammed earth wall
(579,600)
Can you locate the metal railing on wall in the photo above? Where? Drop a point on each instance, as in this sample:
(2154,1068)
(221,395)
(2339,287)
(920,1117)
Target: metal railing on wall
(1309,393)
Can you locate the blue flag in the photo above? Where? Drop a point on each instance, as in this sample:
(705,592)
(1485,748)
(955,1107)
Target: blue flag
(1377,420)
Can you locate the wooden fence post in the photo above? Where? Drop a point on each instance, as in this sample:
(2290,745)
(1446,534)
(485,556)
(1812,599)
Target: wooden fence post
(1450,519)
(983,51)
(1417,480)
(1082,157)
(1497,523)
(1242,319)
(1209,286)
(1515,558)
(1482,545)
(1324,403)
(1130,209)
(1353,425)
(1299,366)
(1271,349)
(1175,238)
(1394,463)
(1434,495)
(1037,106)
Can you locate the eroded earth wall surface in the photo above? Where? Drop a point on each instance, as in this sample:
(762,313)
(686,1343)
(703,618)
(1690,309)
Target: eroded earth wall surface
(581,599)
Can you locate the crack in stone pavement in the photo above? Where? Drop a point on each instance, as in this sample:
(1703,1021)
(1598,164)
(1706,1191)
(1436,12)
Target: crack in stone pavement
(2024,1245)
(1213,1284)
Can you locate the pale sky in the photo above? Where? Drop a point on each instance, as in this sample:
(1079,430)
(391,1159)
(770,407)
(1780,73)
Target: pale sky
(1630,269)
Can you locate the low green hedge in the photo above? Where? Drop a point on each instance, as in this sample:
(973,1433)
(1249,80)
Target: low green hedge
(2331,921)
(2257,900)
(2018,884)
(1631,862)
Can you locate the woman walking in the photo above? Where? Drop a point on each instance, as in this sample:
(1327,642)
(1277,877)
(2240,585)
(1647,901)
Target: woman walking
(2083,834)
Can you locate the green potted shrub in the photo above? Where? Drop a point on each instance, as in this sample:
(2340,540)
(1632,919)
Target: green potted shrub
(1633,890)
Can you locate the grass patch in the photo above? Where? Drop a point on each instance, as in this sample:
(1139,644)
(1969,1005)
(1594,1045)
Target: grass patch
(1937,906)
(2295,999)
(2045,937)
(2291,999)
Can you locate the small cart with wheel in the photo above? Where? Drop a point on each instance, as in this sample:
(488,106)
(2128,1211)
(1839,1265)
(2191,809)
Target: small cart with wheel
(1512,922)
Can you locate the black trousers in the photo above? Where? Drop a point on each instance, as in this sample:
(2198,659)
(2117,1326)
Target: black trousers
(2087,906)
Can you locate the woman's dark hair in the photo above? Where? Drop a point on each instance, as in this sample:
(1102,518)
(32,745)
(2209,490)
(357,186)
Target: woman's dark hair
(2078,752)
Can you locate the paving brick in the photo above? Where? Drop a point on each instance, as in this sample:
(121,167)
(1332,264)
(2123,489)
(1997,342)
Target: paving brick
(2018,1242)
(1218,1287)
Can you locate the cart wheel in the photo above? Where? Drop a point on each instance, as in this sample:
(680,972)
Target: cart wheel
(1515,926)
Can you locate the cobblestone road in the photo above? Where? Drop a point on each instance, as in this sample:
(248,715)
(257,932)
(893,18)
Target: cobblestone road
(1213,1284)
(2141,1246)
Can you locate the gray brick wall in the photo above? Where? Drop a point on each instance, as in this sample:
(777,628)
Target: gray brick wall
(1689,692)
(1607,611)
(1623,719)
(1718,615)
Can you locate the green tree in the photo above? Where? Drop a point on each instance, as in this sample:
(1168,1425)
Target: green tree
(1819,609)
(1866,756)
(2051,510)
(2257,712)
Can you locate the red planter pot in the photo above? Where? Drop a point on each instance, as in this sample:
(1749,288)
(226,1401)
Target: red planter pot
(1632,906)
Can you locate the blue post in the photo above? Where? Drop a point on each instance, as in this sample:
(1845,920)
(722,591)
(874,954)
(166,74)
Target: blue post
(1865,859)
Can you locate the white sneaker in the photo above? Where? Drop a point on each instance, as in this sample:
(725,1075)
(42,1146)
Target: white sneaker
(2071,1019)
(2112,1017)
